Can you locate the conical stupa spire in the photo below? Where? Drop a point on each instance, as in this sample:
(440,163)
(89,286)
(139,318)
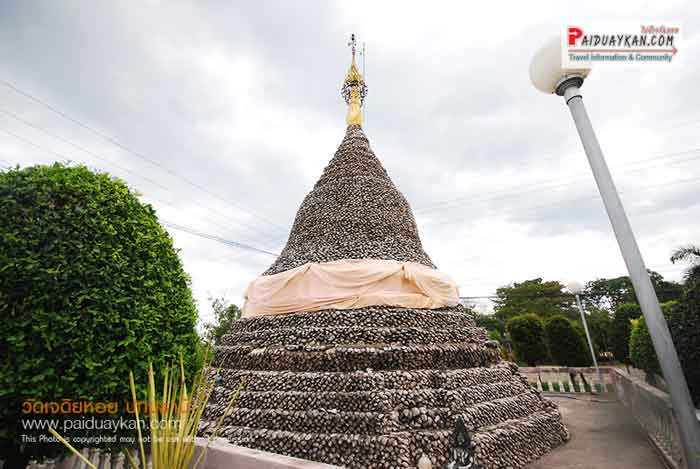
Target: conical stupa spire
(353,212)
(354,89)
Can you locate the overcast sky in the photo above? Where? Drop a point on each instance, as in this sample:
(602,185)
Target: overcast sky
(227,113)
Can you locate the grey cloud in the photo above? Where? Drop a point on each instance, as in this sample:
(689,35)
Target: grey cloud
(475,115)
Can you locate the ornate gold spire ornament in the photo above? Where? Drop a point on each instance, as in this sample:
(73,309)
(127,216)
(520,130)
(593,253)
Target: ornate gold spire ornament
(354,89)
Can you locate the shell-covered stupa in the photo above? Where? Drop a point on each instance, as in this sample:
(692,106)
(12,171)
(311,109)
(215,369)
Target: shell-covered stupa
(358,377)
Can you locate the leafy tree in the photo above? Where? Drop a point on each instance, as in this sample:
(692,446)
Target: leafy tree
(534,296)
(690,254)
(90,288)
(685,329)
(665,290)
(600,325)
(490,323)
(621,328)
(642,354)
(225,315)
(528,338)
(684,324)
(495,335)
(609,293)
(567,345)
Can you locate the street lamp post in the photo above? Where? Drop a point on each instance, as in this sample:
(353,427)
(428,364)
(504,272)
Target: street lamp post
(575,288)
(548,75)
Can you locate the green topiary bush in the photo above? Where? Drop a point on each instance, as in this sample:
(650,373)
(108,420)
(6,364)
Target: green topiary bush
(685,329)
(528,338)
(684,324)
(642,354)
(620,330)
(567,345)
(90,288)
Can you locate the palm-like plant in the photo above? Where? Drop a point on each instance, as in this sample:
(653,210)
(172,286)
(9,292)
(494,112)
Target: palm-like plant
(690,254)
(173,418)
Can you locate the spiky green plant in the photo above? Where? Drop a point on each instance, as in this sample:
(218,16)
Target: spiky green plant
(173,419)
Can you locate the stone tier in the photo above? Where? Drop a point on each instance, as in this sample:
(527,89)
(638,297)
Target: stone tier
(386,400)
(373,317)
(381,422)
(377,387)
(351,358)
(353,336)
(508,444)
(362,380)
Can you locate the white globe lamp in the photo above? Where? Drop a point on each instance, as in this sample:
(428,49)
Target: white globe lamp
(547,73)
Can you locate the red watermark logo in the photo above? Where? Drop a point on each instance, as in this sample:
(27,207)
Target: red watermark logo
(574,33)
(630,43)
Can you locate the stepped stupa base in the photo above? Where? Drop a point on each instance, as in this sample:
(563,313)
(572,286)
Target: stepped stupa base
(377,388)
(374,387)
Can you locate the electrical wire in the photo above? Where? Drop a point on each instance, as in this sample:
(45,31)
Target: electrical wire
(133,152)
(535,187)
(218,239)
(64,157)
(452,221)
(110,162)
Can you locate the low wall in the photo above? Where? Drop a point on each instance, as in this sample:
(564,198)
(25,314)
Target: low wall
(223,455)
(652,408)
(219,455)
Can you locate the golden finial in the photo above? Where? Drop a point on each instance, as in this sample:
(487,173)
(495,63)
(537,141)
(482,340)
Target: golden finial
(354,89)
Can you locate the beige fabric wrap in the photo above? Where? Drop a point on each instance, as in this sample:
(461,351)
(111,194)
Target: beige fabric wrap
(347,284)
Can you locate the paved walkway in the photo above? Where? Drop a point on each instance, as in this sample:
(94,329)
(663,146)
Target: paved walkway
(603,436)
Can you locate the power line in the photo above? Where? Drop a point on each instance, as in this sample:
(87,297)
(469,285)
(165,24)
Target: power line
(175,226)
(518,190)
(133,152)
(579,154)
(160,166)
(60,155)
(227,242)
(108,161)
(36,145)
(579,199)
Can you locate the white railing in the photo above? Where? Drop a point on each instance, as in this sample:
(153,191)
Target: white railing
(558,379)
(651,407)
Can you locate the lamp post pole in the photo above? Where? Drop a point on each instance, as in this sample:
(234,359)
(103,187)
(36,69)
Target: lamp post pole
(588,337)
(658,329)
